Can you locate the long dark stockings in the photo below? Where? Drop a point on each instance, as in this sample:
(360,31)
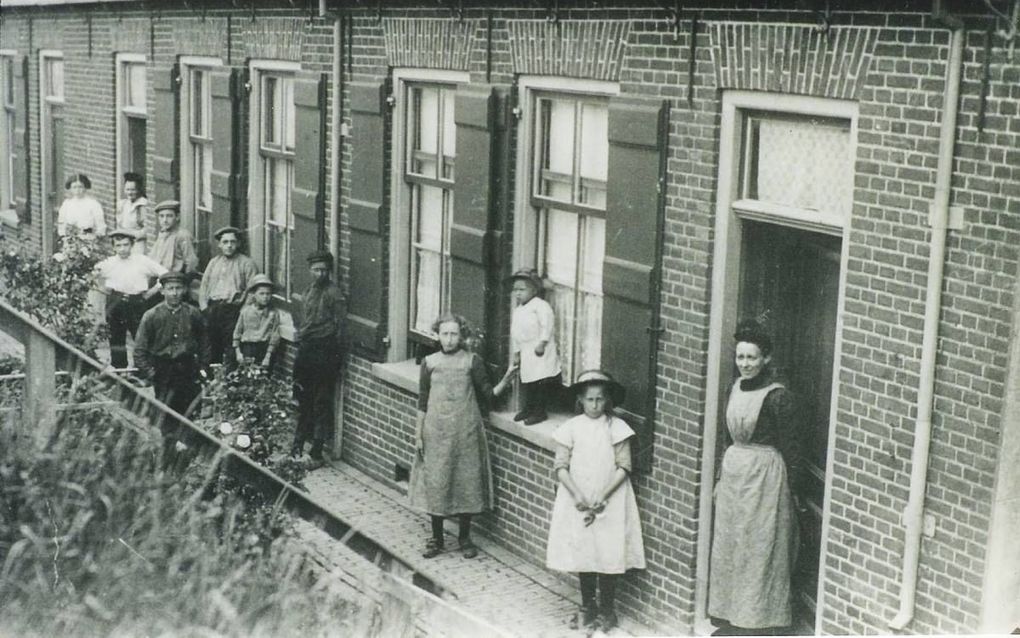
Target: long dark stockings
(606,588)
(463,534)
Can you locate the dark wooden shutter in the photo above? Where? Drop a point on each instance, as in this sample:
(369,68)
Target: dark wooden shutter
(306,196)
(20,188)
(470,237)
(367,216)
(224,183)
(631,272)
(165,180)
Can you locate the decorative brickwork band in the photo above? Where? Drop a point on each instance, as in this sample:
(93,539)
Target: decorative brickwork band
(273,38)
(792,58)
(201,36)
(429,43)
(591,49)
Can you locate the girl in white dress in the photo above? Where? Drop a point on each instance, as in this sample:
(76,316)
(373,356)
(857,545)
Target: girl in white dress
(595,529)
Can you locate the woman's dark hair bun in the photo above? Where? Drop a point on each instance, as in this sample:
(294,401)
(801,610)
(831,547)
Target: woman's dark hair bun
(751,331)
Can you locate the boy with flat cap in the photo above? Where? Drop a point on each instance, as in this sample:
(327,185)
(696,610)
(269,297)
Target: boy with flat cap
(172,349)
(319,351)
(221,294)
(174,247)
(125,279)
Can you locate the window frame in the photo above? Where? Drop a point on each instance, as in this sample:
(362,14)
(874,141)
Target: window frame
(527,250)
(126,112)
(8,127)
(257,219)
(188,141)
(47,104)
(400,267)
(730,212)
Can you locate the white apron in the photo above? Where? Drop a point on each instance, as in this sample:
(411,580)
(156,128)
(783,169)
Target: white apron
(612,543)
(752,544)
(531,323)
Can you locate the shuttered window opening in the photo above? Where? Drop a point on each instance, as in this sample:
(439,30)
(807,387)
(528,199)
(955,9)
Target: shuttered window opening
(430,144)
(197,156)
(568,190)
(7,136)
(52,137)
(131,113)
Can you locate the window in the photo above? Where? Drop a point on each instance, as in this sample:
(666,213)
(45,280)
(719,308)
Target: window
(197,151)
(564,221)
(7,156)
(428,172)
(424,138)
(131,119)
(796,167)
(51,110)
(272,171)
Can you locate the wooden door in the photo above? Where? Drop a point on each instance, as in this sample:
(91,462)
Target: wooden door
(791,278)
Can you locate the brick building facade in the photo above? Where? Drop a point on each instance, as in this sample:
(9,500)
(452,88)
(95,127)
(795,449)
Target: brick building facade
(668,173)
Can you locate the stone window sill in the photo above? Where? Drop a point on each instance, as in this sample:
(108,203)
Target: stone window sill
(404,375)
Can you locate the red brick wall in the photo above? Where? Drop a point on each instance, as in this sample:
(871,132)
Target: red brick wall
(900,100)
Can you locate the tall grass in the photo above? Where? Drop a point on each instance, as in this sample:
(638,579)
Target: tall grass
(96,540)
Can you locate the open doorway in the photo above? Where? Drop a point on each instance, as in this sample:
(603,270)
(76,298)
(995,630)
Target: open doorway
(791,277)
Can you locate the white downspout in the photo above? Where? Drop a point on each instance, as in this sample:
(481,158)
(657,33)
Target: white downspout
(914,514)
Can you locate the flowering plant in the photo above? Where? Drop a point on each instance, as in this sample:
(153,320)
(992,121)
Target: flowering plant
(252,412)
(55,291)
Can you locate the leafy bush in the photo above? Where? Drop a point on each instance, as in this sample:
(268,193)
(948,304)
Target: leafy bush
(55,291)
(96,540)
(253,412)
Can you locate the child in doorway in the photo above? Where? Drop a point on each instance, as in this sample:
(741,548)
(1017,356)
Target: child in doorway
(451,474)
(257,332)
(595,529)
(533,343)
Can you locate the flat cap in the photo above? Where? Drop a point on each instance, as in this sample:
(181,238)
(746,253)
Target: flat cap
(168,204)
(130,233)
(227,229)
(320,255)
(177,276)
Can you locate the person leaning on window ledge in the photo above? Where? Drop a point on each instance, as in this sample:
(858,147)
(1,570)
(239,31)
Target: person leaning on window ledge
(320,334)
(222,292)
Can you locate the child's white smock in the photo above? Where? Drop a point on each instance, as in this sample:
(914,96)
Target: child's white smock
(531,323)
(612,543)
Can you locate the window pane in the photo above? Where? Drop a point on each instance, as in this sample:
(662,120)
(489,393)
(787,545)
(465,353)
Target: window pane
(277,191)
(198,98)
(594,154)
(55,76)
(423,130)
(202,158)
(8,71)
(801,163)
(288,108)
(555,146)
(277,255)
(448,133)
(136,144)
(430,219)
(270,111)
(134,77)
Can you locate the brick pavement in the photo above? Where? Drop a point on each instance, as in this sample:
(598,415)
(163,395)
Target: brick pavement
(498,586)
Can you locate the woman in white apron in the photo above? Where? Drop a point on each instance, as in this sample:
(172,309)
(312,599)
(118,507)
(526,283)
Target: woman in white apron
(755,531)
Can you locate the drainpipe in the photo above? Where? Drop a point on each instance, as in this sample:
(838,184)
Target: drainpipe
(914,514)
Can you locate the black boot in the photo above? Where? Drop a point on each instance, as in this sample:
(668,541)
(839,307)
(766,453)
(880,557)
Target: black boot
(316,452)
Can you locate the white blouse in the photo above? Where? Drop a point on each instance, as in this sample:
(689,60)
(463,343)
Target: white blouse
(84,213)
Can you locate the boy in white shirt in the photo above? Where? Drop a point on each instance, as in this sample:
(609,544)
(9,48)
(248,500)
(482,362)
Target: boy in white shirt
(125,279)
(533,345)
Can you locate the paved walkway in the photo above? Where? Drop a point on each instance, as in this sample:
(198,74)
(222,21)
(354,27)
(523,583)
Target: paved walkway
(498,586)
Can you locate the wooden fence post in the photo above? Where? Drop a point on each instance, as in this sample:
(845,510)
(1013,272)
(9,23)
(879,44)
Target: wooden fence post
(38,407)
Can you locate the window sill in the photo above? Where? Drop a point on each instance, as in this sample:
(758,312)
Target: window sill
(403,374)
(539,435)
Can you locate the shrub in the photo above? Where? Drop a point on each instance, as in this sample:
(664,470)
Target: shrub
(96,540)
(253,412)
(55,291)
